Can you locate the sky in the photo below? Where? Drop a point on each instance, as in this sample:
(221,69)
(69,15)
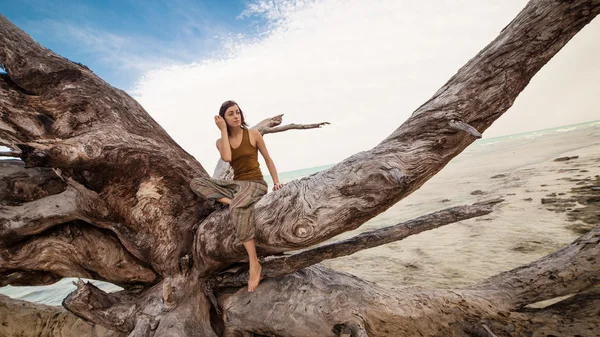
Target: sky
(363,66)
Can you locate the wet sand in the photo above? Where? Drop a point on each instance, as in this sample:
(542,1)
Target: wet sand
(548,204)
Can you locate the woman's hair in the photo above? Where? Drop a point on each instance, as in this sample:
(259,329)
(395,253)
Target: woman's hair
(226,105)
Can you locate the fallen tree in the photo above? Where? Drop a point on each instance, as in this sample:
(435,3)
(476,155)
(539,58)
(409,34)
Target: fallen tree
(100,191)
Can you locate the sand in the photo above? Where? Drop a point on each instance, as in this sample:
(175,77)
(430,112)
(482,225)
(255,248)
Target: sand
(522,170)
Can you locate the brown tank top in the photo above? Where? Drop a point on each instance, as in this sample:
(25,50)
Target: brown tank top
(244,160)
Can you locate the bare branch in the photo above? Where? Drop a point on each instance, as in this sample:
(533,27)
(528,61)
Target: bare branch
(26,277)
(22,318)
(65,116)
(272,125)
(18,222)
(268,123)
(489,331)
(19,122)
(280,266)
(287,127)
(33,68)
(223,170)
(375,311)
(337,298)
(143,177)
(75,203)
(126,209)
(72,250)
(53,154)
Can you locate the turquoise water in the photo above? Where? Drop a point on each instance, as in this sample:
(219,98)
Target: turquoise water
(52,294)
(500,146)
(535,134)
(297,174)
(479,144)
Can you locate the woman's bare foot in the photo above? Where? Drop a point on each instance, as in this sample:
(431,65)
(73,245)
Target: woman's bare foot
(254,279)
(224,201)
(255,267)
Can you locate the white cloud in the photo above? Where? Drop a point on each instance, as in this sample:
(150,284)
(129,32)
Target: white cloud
(364,66)
(121,52)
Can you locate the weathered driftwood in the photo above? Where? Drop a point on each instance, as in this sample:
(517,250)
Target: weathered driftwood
(120,184)
(277,266)
(308,302)
(20,318)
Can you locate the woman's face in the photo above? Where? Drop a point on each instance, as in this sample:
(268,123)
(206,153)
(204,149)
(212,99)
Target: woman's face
(233,116)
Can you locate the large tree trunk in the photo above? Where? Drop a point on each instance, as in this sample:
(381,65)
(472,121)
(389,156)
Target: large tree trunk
(101,191)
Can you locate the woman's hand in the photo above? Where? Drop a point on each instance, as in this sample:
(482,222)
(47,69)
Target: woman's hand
(277,186)
(221,124)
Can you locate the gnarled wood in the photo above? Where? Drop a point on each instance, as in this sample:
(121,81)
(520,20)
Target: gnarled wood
(173,307)
(75,203)
(56,113)
(278,266)
(458,125)
(20,318)
(313,300)
(369,182)
(19,185)
(292,126)
(61,115)
(72,250)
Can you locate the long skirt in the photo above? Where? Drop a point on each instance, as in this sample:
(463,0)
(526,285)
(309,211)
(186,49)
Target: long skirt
(243,194)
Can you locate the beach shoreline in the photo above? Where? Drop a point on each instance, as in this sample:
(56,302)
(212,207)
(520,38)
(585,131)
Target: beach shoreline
(521,170)
(548,203)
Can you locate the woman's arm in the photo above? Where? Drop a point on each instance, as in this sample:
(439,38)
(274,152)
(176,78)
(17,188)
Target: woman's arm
(222,144)
(260,144)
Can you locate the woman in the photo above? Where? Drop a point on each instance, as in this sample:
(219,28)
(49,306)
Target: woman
(239,146)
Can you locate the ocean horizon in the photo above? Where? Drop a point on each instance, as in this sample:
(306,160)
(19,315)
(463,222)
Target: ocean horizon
(409,262)
(304,172)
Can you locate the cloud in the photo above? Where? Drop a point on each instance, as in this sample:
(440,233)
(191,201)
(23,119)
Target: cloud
(119,51)
(120,41)
(363,66)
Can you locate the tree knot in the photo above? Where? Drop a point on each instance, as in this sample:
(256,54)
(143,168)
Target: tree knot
(303,230)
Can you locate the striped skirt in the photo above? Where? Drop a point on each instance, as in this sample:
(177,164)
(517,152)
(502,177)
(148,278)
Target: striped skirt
(243,194)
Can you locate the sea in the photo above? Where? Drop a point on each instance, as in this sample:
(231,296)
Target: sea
(468,251)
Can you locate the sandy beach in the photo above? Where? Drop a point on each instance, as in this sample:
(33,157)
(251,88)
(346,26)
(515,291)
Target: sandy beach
(521,169)
(548,203)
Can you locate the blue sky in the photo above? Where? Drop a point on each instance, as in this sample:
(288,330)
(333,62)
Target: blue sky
(121,39)
(364,66)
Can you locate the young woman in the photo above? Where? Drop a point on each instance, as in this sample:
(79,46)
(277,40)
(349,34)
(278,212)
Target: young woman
(239,146)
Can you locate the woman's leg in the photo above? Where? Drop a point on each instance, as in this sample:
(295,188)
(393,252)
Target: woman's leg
(241,212)
(242,215)
(255,267)
(213,189)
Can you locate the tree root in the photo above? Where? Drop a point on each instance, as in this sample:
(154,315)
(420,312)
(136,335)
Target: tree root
(21,318)
(71,250)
